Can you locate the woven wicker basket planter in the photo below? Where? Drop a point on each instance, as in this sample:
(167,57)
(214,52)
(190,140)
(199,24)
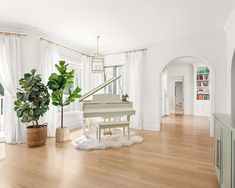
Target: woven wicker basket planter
(36,136)
(62,134)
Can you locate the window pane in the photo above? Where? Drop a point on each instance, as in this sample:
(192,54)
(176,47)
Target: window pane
(74,106)
(77,83)
(119,72)
(109,73)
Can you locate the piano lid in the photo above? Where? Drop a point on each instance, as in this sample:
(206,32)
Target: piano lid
(101,86)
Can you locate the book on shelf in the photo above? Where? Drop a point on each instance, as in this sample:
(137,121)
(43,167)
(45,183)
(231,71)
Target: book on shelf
(203,97)
(202,77)
(203,89)
(203,70)
(202,83)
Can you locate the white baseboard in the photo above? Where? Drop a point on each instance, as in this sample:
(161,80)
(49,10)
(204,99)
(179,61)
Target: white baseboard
(151,127)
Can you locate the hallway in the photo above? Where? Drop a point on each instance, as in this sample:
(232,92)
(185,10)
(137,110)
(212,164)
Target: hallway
(180,156)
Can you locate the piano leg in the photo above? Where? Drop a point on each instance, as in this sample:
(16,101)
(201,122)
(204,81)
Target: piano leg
(84,124)
(128,128)
(99,134)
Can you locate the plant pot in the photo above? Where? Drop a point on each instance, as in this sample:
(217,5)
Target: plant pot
(36,136)
(62,134)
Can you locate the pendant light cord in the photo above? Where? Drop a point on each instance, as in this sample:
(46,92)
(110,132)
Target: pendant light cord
(98,37)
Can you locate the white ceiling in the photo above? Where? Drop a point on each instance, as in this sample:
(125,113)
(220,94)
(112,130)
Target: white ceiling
(122,24)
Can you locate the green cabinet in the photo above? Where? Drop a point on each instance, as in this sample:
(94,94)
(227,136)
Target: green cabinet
(233,159)
(226,179)
(217,149)
(224,151)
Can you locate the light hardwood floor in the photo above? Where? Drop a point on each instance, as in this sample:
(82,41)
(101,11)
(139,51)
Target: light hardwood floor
(180,156)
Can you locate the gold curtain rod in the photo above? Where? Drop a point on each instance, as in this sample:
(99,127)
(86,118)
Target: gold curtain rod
(17,34)
(143,49)
(65,47)
(115,53)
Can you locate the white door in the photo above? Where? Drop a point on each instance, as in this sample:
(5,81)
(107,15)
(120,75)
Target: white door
(179,97)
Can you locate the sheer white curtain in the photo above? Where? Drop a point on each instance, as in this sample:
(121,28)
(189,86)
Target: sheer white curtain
(10,73)
(87,74)
(49,57)
(134,64)
(91,79)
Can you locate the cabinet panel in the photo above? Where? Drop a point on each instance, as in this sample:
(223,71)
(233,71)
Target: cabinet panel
(217,149)
(226,176)
(224,150)
(233,160)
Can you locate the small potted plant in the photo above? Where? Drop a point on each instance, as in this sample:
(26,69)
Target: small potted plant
(124,97)
(32,102)
(62,95)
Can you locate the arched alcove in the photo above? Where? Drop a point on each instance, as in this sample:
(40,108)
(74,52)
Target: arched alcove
(233,88)
(212,81)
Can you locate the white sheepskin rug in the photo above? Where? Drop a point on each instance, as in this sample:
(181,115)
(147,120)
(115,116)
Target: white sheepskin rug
(116,140)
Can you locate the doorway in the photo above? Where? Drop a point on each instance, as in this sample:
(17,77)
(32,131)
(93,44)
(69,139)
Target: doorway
(190,69)
(179,97)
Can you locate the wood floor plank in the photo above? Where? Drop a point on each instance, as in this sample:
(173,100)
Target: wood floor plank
(180,156)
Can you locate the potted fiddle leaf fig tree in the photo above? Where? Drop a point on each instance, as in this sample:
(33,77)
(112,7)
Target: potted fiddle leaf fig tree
(61,84)
(32,101)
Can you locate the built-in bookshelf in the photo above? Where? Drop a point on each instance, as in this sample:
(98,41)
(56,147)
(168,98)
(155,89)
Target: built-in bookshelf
(202,76)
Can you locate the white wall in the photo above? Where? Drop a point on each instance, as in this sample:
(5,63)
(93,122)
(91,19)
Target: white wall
(116,59)
(186,71)
(230,31)
(211,48)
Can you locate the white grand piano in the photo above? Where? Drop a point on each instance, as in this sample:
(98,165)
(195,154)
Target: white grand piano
(113,111)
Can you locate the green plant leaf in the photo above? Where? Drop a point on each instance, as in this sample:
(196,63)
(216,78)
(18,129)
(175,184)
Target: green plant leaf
(33,71)
(32,97)
(61,86)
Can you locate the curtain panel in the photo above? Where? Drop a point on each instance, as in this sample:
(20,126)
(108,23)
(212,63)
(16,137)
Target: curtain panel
(133,85)
(10,73)
(90,79)
(49,57)
(86,74)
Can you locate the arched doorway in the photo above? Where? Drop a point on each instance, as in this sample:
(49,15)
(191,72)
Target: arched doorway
(202,87)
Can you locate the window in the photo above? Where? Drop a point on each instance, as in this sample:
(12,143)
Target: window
(110,72)
(77,67)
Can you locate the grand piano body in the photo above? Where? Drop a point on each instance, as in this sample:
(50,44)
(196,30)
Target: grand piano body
(110,108)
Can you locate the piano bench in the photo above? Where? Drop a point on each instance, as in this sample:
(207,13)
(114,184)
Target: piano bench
(110,125)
